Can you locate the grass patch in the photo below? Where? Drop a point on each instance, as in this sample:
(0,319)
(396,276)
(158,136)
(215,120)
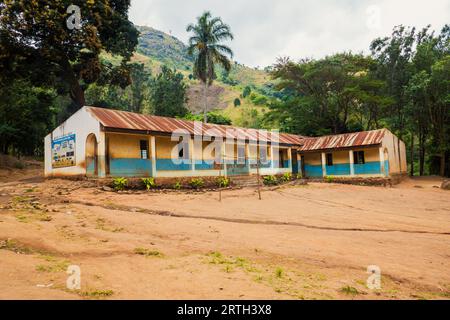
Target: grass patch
(96,293)
(148,253)
(54,266)
(279,272)
(14,246)
(348,290)
(101,224)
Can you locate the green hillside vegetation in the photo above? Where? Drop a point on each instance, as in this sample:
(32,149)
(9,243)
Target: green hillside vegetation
(157,48)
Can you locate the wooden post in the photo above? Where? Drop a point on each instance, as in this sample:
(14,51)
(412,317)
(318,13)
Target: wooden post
(258,160)
(352,162)
(324,164)
(153,154)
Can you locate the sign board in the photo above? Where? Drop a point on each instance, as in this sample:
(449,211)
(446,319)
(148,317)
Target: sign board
(63,151)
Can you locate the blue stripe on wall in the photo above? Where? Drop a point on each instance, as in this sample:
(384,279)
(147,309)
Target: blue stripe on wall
(313,171)
(236,168)
(130,167)
(368,168)
(341,169)
(90,170)
(204,165)
(170,165)
(386,167)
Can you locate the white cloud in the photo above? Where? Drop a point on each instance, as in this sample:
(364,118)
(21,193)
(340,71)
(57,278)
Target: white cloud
(266,29)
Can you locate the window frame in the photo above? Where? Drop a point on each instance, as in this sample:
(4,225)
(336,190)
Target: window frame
(183,150)
(329,159)
(143,146)
(359,157)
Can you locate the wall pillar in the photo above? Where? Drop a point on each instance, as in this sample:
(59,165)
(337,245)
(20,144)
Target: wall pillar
(290,158)
(324,164)
(223,155)
(272,157)
(192,154)
(153,154)
(352,163)
(247,156)
(101,155)
(382,167)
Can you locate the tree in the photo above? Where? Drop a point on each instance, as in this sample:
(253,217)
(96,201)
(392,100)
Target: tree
(237,102)
(140,86)
(26,116)
(325,94)
(38,45)
(205,45)
(246,92)
(213,117)
(439,111)
(168,94)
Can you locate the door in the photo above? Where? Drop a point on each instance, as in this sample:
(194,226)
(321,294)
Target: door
(294,161)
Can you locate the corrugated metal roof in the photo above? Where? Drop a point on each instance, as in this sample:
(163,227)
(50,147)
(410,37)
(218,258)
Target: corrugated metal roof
(116,119)
(357,139)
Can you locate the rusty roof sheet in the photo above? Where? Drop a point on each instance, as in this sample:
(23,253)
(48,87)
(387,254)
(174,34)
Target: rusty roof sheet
(117,119)
(357,139)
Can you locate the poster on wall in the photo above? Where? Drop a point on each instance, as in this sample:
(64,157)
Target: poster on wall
(63,151)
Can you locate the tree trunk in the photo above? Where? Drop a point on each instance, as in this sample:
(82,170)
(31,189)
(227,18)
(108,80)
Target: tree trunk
(422,156)
(442,169)
(76,93)
(412,155)
(205,102)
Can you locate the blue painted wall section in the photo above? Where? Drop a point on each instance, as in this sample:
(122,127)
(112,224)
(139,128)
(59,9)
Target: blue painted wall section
(170,165)
(204,165)
(386,168)
(90,170)
(368,168)
(235,168)
(313,171)
(338,169)
(130,167)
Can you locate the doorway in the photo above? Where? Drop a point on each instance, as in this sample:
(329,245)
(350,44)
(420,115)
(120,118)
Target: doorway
(91,156)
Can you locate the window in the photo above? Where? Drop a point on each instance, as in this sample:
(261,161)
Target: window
(183,150)
(144,149)
(329,159)
(358,157)
(263,154)
(241,154)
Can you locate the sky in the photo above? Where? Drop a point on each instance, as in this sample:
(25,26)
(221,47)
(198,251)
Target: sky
(267,29)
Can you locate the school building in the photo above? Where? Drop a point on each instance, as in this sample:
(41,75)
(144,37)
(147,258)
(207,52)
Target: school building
(98,142)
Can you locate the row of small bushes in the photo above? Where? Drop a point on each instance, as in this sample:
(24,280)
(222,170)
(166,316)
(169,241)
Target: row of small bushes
(276,180)
(120,184)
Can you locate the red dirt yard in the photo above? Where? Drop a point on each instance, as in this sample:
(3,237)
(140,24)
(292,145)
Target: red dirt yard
(298,242)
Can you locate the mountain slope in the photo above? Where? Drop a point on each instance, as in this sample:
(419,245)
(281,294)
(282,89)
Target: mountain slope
(157,48)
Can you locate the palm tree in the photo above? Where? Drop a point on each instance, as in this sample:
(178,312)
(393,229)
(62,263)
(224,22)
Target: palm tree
(205,45)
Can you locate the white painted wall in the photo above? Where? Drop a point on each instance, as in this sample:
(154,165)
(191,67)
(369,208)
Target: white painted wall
(397,164)
(81,123)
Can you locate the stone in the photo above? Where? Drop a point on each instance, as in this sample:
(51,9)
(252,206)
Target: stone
(445,185)
(106,188)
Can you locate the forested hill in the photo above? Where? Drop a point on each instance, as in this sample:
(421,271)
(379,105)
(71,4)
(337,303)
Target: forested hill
(156,48)
(164,48)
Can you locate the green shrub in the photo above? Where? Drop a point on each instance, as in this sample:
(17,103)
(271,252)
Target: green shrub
(120,184)
(329,179)
(223,182)
(177,185)
(197,183)
(149,183)
(286,177)
(19,165)
(270,180)
(299,176)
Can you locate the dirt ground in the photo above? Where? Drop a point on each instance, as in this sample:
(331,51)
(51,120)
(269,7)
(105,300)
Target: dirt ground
(298,242)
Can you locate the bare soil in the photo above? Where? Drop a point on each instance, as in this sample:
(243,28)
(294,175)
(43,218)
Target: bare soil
(298,242)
